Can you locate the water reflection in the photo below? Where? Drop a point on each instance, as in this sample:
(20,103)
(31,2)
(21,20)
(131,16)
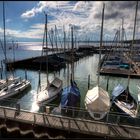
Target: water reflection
(83,68)
(35,107)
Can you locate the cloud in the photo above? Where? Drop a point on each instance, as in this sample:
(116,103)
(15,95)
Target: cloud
(28,14)
(43,6)
(85,16)
(34,32)
(8,20)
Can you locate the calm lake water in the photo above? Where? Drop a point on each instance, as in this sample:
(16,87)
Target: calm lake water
(83,68)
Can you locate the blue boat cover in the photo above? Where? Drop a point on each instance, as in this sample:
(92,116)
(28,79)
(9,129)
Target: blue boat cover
(70,95)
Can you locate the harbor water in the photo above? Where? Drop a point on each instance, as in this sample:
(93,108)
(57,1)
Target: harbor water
(82,68)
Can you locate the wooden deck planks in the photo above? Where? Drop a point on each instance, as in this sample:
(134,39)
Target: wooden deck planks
(10,113)
(39,119)
(72,124)
(25,116)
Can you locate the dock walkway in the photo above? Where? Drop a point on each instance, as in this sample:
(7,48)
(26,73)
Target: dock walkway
(91,127)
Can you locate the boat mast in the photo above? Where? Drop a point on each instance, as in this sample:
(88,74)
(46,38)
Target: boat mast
(68,48)
(4,38)
(101,37)
(64,46)
(46,47)
(52,36)
(72,64)
(64,43)
(122,37)
(132,43)
(56,39)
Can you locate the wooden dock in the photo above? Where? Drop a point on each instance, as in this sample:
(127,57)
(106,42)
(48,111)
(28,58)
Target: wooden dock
(70,124)
(122,72)
(118,72)
(55,61)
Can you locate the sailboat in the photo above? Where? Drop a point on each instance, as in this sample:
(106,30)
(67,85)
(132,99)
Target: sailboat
(53,88)
(12,85)
(4,82)
(70,97)
(97,100)
(122,100)
(14,88)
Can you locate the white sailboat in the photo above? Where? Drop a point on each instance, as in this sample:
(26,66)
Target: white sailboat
(53,89)
(4,82)
(50,92)
(12,85)
(14,88)
(97,100)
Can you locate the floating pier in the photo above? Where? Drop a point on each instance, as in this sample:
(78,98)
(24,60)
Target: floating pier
(116,70)
(56,61)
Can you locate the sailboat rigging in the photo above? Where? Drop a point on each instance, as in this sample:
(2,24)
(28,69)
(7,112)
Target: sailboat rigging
(12,85)
(53,89)
(70,97)
(97,100)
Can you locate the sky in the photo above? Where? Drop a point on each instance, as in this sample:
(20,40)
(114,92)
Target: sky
(25,19)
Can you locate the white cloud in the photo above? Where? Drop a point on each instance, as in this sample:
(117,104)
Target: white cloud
(43,6)
(85,15)
(35,31)
(8,20)
(29,13)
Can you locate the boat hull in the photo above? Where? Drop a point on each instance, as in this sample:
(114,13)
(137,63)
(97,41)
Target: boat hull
(123,102)
(16,91)
(51,92)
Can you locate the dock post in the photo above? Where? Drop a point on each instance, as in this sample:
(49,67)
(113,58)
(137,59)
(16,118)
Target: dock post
(1,73)
(1,66)
(1,69)
(107,83)
(17,109)
(88,81)
(25,74)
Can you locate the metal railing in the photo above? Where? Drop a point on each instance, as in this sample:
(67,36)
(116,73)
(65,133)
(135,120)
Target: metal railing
(75,113)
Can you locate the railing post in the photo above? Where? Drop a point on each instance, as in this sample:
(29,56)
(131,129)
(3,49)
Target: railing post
(108,124)
(118,119)
(44,119)
(73,112)
(34,118)
(107,118)
(69,126)
(4,113)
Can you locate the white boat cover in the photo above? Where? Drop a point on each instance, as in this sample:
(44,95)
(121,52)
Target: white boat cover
(117,91)
(97,100)
(57,82)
